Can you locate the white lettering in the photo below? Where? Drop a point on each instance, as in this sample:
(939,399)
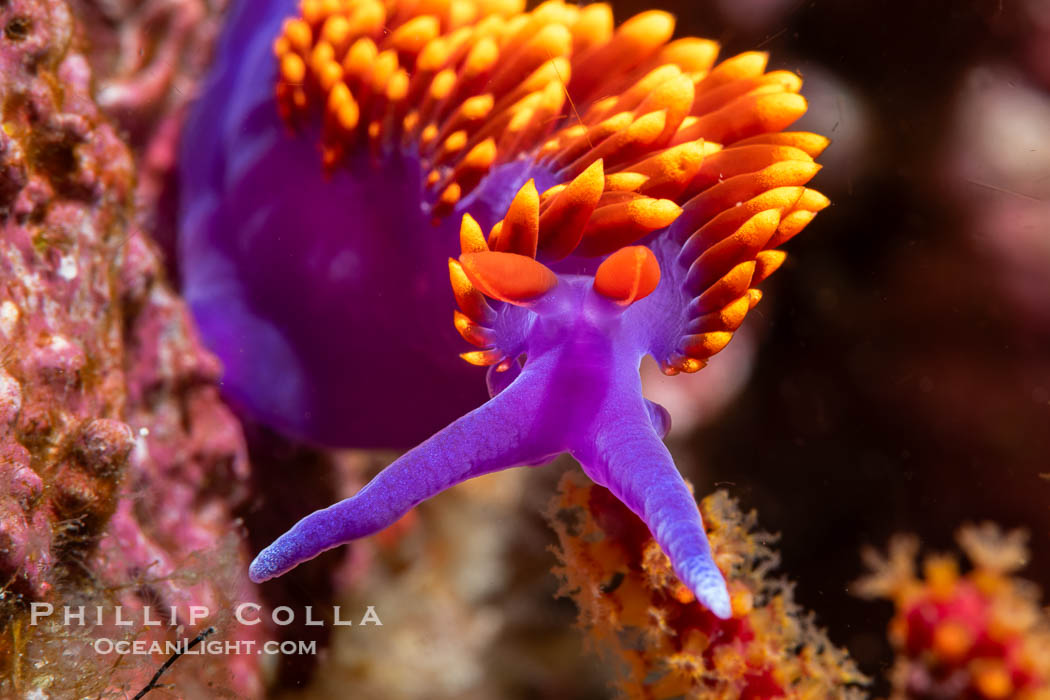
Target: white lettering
(338,622)
(146,620)
(287,619)
(117,620)
(35,611)
(239,613)
(370,616)
(310,621)
(197,613)
(79,615)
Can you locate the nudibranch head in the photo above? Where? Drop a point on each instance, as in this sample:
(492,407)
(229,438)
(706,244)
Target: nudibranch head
(595,194)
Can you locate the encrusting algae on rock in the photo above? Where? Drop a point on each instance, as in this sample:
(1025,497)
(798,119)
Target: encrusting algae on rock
(120,468)
(667,645)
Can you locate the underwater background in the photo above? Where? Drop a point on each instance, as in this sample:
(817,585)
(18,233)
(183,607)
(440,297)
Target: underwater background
(896,379)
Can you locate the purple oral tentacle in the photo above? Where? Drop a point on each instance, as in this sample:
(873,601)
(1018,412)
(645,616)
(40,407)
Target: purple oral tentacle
(627,456)
(510,429)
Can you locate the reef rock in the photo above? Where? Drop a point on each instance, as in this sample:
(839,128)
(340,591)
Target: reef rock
(119,465)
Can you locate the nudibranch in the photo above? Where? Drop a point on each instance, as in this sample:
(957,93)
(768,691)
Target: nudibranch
(595,193)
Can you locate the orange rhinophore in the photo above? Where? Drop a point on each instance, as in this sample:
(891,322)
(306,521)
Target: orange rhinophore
(628,275)
(509,277)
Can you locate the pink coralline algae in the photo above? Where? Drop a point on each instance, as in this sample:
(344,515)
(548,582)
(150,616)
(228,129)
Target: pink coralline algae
(119,466)
(147,57)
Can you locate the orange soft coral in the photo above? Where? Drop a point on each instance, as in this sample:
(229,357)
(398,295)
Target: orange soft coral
(980,636)
(669,646)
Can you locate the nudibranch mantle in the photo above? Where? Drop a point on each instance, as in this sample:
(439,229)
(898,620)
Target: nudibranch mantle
(633,193)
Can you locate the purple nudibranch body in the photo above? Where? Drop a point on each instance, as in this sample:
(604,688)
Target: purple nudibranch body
(314,292)
(324,290)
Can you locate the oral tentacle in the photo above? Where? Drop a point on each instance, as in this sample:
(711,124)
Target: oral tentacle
(626,455)
(502,433)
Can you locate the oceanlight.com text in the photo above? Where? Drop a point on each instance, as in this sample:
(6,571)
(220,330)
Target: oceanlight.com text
(215,647)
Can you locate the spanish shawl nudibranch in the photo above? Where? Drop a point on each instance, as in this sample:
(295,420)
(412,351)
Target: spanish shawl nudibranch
(634,193)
